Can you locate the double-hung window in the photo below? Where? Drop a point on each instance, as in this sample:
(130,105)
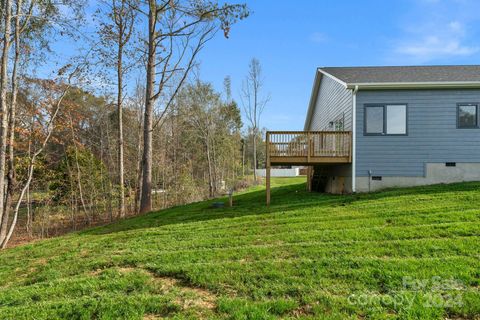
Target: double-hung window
(386,119)
(467,115)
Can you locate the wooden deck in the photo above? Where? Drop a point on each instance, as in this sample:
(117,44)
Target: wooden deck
(306,148)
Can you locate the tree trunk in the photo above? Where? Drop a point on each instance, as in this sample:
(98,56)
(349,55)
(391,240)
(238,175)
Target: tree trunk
(120,128)
(79,176)
(255,128)
(243,159)
(255,155)
(4,108)
(214,169)
(11,126)
(138,185)
(30,212)
(73,200)
(146,200)
(109,156)
(211,189)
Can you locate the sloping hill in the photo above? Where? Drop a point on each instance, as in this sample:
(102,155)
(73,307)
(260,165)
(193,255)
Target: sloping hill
(411,254)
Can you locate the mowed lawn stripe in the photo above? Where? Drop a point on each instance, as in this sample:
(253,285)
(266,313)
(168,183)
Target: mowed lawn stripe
(303,257)
(353,234)
(330,215)
(224,234)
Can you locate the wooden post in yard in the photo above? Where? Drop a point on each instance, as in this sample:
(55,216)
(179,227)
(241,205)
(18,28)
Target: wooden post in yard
(230,198)
(309,178)
(267,165)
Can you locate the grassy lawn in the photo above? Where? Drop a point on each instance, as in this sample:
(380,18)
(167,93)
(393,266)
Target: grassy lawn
(408,254)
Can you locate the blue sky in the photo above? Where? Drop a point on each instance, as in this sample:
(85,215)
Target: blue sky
(292,38)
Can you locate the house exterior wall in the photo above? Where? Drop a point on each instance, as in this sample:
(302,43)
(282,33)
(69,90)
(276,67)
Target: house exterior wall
(333,102)
(432,139)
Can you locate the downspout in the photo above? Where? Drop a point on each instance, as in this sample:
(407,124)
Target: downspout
(354,138)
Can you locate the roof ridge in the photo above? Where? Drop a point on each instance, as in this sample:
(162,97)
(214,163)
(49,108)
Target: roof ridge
(426,74)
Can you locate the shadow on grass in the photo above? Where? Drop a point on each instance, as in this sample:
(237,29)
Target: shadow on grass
(284,198)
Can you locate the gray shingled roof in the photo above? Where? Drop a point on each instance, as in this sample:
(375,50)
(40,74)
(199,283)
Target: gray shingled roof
(405,74)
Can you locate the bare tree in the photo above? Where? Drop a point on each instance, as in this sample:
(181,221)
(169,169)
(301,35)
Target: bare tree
(138,102)
(177,31)
(203,107)
(49,107)
(116,34)
(254,103)
(64,138)
(21,22)
(22,31)
(227,85)
(4,106)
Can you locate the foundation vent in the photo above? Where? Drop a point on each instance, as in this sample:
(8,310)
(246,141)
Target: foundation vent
(377,178)
(450,164)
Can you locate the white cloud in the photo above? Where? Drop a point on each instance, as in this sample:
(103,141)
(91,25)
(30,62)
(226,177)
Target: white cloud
(434,46)
(439,42)
(436,30)
(456,26)
(318,37)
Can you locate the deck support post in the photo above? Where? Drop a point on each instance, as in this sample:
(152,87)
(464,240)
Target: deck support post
(309,178)
(268,184)
(267,167)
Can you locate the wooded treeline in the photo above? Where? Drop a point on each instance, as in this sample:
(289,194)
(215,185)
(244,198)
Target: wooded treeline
(123,126)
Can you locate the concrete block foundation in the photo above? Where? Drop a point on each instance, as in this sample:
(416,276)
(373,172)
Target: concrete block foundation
(435,173)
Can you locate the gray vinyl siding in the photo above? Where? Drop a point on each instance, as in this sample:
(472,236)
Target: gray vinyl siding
(432,137)
(333,102)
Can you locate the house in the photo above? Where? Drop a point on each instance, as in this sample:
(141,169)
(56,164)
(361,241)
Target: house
(369,128)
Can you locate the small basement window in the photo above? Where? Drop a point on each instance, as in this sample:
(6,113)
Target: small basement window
(467,116)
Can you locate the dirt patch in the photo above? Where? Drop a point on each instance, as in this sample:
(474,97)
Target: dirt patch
(167,284)
(203,299)
(84,253)
(127,269)
(151,317)
(303,311)
(198,301)
(188,297)
(42,261)
(38,264)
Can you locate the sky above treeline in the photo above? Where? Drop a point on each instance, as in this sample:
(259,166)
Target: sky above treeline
(292,38)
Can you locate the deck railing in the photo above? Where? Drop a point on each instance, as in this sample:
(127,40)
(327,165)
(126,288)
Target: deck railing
(309,144)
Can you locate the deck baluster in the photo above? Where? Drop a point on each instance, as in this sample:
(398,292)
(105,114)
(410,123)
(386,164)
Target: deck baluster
(309,147)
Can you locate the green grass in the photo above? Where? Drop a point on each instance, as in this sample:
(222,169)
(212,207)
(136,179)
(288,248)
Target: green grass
(309,255)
